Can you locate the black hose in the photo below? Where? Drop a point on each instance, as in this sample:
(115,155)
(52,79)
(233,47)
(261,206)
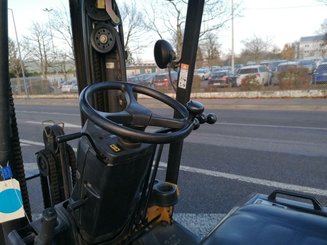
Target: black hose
(16,159)
(4,85)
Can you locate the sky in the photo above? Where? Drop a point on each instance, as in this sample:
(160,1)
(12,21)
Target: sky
(281,21)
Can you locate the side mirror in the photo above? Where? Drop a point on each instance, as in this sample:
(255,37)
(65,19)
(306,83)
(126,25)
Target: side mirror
(163,53)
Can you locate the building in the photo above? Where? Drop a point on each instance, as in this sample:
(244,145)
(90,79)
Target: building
(141,69)
(312,47)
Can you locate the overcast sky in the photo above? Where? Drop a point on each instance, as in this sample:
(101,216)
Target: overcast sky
(282,21)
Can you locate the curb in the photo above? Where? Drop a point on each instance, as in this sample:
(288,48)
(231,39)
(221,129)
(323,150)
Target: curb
(264,94)
(321,93)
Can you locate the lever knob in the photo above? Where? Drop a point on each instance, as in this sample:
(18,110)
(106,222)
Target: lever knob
(202,118)
(211,118)
(194,107)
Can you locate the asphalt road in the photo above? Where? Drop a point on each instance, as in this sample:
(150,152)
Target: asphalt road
(247,151)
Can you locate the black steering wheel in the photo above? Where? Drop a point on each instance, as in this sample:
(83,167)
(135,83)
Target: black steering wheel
(125,123)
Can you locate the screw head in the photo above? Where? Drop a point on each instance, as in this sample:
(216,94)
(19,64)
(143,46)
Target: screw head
(103,38)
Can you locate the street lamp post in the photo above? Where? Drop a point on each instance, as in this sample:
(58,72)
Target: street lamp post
(233,62)
(48,11)
(19,53)
(53,48)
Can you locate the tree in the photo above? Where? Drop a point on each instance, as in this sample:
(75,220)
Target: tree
(256,49)
(171,19)
(211,49)
(134,29)
(199,57)
(323,32)
(40,48)
(60,29)
(15,68)
(288,52)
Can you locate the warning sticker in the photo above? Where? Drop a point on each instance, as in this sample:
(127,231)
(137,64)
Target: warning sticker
(11,203)
(183,76)
(115,148)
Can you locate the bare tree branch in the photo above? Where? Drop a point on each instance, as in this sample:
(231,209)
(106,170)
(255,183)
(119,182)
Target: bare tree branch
(134,27)
(172,15)
(256,48)
(39,45)
(60,25)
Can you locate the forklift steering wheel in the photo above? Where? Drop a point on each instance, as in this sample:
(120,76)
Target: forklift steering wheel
(131,121)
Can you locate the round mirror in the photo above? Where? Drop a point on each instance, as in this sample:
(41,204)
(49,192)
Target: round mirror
(163,53)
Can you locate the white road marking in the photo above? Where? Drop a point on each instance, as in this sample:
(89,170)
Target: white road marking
(29,142)
(259,144)
(48,113)
(251,180)
(66,125)
(30,166)
(268,126)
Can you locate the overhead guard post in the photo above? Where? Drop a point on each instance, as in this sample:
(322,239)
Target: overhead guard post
(188,58)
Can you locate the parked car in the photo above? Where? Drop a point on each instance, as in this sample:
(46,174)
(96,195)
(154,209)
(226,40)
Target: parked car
(146,79)
(74,88)
(142,79)
(133,79)
(220,79)
(261,72)
(161,80)
(284,67)
(69,86)
(309,64)
(320,74)
(203,73)
(272,64)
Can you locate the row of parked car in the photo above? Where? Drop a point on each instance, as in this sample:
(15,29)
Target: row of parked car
(318,71)
(266,73)
(69,86)
(155,80)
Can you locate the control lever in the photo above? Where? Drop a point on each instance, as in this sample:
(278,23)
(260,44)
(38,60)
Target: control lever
(203,118)
(196,109)
(49,222)
(68,137)
(211,118)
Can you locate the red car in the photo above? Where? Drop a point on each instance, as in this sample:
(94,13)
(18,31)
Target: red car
(162,80)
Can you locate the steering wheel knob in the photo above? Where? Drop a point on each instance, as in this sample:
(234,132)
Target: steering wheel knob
(195,107)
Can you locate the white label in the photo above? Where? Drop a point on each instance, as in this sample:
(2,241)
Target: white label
(183,76)
(11,203)
(110,65)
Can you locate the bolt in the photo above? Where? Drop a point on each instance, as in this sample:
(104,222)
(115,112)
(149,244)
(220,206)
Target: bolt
(103,38)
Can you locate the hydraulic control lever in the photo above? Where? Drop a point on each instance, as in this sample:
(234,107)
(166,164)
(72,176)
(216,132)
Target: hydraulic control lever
(49,222)
(207,118)
(196,109)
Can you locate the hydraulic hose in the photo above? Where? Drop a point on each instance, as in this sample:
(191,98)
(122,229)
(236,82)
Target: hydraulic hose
(16,159)
(4,85)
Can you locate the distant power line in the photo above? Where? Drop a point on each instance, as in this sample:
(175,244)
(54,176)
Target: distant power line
(287,7)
